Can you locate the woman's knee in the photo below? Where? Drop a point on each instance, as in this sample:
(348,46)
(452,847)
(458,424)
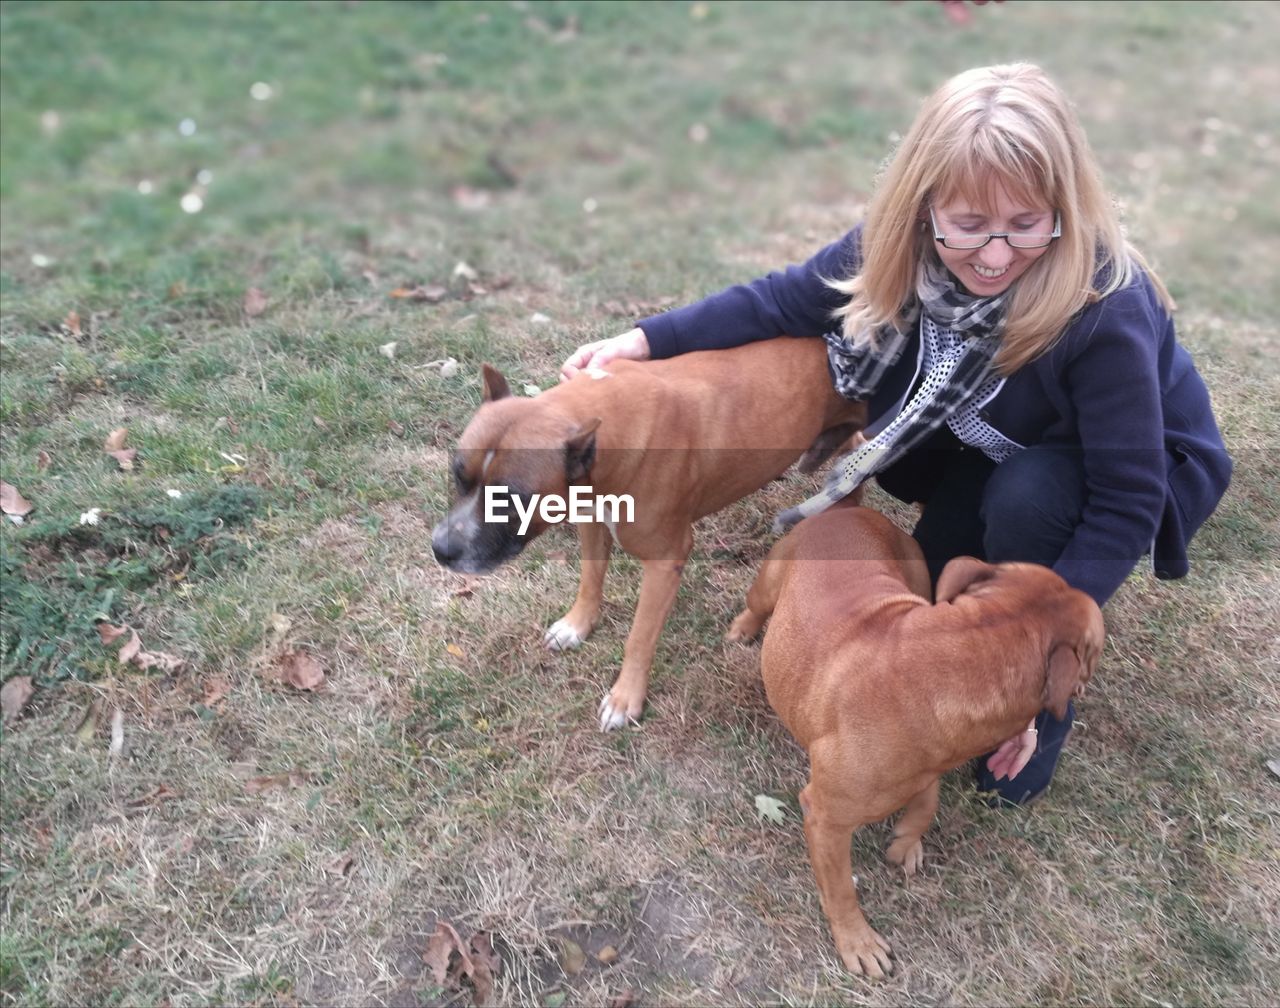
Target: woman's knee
(1032,504)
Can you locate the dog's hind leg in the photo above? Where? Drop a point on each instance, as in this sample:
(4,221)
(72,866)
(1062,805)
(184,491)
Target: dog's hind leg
(576,625)
(658,587)
(907,848)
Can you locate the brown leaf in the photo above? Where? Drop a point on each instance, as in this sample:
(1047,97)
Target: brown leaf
(215,688)
(440,950)
(43,460)
(454,650)
(607,955)
(89,724)
(485,965)
(125,457)
(292,779)
(158,659)
(319,422)
(156,795)
(395,428)
(12,502)
(108,632)
(432,294)
(342,864)
(131,647)
(299,670)
(177,289)
(623,999)
(72,324)
(255,302)
(572,958)
(115,440)
(14,696)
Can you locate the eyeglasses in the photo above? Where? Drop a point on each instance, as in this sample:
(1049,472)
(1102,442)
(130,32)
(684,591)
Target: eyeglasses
(1016,240)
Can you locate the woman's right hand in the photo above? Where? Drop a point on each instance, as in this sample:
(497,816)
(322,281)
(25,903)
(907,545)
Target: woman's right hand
(630,345)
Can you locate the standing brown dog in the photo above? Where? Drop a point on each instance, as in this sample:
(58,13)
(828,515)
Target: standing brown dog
(683,438)
(887,692)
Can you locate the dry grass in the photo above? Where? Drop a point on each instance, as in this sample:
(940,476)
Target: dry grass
(450,769)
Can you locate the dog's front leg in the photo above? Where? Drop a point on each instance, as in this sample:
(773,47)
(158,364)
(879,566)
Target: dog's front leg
(576,625)
(625,701)
(828,829)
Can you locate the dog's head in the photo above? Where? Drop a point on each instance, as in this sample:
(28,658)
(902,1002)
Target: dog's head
(514,452)
(1069,621)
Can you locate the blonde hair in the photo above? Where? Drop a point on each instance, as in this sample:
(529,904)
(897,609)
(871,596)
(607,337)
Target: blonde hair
(1008,125)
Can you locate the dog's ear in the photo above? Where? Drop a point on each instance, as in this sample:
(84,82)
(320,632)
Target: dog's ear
(580,451)
(960,575)
(1071,663)
(492,385)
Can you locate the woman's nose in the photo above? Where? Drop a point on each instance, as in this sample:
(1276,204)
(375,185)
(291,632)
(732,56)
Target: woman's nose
(996,253)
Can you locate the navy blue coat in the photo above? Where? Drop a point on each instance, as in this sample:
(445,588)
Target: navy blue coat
(1117,386)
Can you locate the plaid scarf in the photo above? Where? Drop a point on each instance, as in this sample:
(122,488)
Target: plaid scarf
(858,369)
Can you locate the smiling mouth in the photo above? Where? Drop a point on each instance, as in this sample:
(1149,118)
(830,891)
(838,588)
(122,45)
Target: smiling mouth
(989,274)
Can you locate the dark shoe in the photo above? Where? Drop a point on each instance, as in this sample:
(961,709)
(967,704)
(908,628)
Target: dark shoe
(1034,778)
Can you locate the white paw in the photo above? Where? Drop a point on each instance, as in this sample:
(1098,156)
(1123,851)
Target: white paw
(562,636)
(611,719)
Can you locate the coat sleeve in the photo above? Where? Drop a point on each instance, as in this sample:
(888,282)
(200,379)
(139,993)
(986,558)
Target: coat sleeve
(1113,385)
(796,301)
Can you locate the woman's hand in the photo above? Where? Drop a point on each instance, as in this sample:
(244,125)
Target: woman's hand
(630,345)
(1013,754)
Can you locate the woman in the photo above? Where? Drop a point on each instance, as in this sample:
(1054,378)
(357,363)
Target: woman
(1019,359)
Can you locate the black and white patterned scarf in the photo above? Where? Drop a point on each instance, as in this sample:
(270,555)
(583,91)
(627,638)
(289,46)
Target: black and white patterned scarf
(858,370)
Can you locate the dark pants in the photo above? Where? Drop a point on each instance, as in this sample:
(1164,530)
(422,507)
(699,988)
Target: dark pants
(1024,509)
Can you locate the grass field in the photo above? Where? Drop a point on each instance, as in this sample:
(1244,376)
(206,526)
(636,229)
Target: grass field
(207,211)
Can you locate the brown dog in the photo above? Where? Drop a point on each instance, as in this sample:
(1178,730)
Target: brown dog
(683,438)
(887,692)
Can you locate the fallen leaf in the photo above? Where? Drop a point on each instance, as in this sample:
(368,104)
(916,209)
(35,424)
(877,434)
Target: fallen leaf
(608,955)
(299,670)
(770,808)
(125,457)
(117,733)
(72,324)
(454,650)
(157,794)
(485,965)
(319,422)
(215,689)
(280,624)
(158,659)
(440,950)
(132,646)
(108,632)
(292,779)
(43,460)
(465,271)
(623,999)
(395,428)
(255,302)
(342,864)
(14,696)
(388,350)
(432,294)
(89,723)
(115,440)
(572,958)
(12,502)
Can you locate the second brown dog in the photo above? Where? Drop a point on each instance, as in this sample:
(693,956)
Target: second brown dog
(887,692)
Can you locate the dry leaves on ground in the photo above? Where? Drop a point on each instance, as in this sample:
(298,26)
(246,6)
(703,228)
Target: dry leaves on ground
(114,446)
(12,502)
(255,302)
(301,671)
(452,963)
(14,696)
(132,653)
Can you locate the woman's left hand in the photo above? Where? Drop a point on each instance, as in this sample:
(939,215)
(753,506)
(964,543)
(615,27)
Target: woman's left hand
(1013,754)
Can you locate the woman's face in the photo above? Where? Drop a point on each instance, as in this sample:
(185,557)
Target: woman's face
(992,269)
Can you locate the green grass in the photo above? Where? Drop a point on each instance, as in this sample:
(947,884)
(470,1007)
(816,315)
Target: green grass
(450,756)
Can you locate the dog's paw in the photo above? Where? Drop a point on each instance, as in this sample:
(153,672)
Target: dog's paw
(907,851)
(614,717)
(562,636)
(865,952)
(744,627)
